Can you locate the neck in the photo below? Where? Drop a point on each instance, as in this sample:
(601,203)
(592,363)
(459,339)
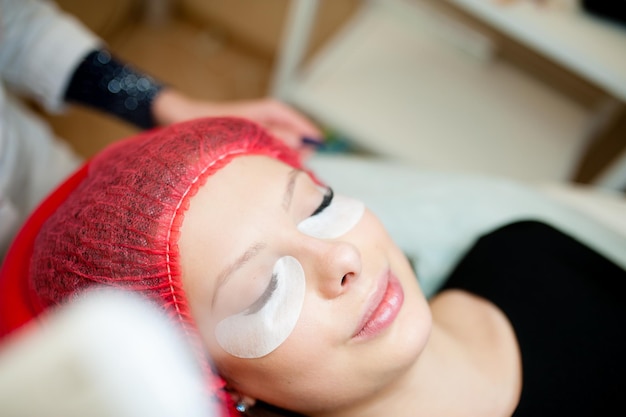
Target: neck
(452,379)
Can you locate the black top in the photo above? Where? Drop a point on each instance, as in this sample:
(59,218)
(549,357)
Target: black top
(567,305)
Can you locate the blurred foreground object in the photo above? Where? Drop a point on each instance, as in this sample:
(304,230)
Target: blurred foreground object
(107,354)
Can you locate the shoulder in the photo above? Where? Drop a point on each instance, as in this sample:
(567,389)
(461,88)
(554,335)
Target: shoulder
(523,231)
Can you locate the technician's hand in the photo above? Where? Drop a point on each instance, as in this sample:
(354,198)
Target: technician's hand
(284,122)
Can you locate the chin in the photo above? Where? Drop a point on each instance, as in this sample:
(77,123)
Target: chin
(414,322)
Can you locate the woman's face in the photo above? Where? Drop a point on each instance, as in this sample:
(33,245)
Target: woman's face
(301,297)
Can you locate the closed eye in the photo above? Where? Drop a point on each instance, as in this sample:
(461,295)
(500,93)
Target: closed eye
(265,297)
(333,218)
(328,198)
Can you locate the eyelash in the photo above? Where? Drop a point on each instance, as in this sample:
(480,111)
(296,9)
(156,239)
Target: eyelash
(328,198)
(264,298)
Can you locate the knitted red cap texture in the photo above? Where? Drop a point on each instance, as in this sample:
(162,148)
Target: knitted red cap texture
(121,225)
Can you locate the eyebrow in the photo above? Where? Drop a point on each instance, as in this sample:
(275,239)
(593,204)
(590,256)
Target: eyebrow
(256,247)
(291,184)
(250,253)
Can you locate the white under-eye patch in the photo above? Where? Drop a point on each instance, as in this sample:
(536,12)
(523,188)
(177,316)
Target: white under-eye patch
(266,324)
(338,218)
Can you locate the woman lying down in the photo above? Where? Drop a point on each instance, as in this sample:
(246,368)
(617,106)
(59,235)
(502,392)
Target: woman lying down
(304,303)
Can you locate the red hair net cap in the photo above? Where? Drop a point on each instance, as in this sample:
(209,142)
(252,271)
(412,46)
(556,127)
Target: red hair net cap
(120,226)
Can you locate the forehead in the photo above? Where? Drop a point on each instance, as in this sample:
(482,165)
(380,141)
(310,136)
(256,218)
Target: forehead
(229,212)
(246,186)
(233,194)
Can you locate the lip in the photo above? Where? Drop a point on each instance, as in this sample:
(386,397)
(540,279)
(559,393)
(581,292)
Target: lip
(382,308)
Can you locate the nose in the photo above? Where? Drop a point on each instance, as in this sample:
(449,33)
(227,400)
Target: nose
(335,266)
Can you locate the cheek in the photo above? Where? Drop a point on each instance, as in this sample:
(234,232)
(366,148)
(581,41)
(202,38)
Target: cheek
(255,332)
(299,366)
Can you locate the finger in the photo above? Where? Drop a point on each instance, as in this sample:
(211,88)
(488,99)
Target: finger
(288,136)
(294,141)
(282,114)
